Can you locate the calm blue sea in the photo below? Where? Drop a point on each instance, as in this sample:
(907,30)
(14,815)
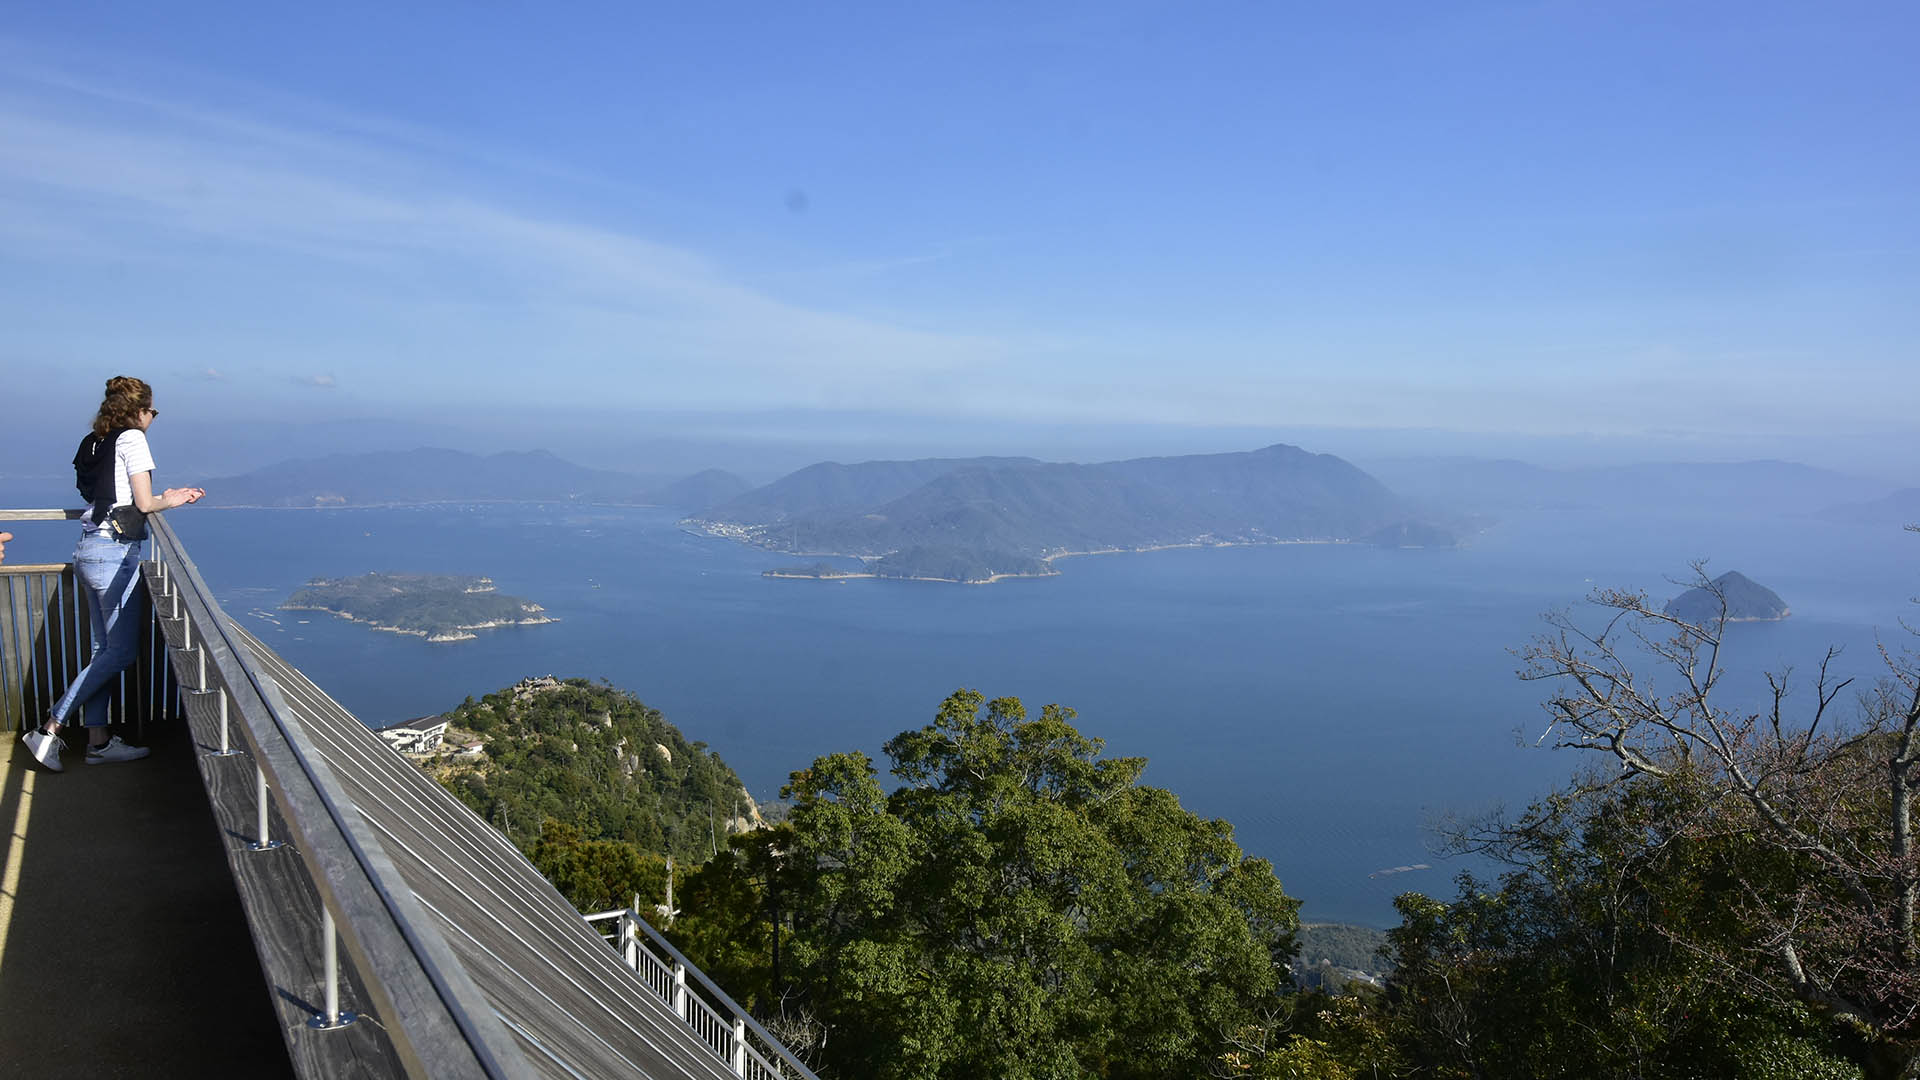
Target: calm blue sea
(1331,701)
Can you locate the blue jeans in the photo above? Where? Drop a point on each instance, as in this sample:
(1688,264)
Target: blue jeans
(110,572)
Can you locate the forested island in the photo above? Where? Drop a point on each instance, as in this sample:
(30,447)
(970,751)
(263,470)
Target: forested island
(977,520)
(438,607)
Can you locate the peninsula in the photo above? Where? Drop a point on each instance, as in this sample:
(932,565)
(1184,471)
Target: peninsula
(438,607)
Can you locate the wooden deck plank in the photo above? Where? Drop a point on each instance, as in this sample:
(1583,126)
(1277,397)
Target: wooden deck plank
(284,909)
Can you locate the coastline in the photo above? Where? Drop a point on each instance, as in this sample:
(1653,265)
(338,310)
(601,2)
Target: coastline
(1048,559)
(1188,544)
(899,577)
(457,633)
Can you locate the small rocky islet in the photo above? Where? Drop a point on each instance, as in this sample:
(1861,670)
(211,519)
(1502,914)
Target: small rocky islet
(1746,600)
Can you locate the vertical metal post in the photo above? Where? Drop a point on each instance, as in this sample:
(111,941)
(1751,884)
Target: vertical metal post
(260,789)
(739,1047)
(26,660)
(36,679)
(630,941)
(226,748)
(680,989)
(6,670)
(330,951)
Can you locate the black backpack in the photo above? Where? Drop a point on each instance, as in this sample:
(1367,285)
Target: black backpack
(93,471)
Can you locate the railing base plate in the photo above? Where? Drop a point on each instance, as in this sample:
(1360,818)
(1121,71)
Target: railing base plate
(319,1023)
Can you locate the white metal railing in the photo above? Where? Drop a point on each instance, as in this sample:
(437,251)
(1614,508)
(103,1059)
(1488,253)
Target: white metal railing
(734,1037)
(46,639)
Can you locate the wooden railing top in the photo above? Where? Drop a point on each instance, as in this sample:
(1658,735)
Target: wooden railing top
(37,515)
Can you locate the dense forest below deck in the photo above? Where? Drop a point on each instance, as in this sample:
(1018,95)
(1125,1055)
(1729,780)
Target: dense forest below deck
(577,772)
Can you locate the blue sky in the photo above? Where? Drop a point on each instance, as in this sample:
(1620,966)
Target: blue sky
(1681,222)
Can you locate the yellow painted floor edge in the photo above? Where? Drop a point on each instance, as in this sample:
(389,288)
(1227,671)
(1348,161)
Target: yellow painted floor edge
(16,852)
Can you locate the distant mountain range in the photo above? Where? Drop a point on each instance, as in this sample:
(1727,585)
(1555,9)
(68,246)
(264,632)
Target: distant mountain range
(1032,509)
(830,488)
(433,475)
(1494,486)
(1900,508)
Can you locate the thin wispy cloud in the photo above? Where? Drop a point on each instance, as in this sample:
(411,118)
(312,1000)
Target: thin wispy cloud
(125,174)
(318,382)
(181,216)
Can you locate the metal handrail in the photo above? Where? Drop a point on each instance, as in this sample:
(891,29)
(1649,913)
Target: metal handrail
(45,641)
(741,1020)
(437,1019)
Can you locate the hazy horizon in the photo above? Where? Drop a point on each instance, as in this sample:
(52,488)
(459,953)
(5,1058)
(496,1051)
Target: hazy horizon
(1563,233)
(761,447)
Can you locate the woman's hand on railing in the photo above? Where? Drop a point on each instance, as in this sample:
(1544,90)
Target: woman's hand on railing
(182,496)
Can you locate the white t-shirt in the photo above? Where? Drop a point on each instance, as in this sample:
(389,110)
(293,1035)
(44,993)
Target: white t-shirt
(131,456)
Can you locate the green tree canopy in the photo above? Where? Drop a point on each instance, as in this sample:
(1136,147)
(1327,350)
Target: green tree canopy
(593,757)
(596,875)
(1019,907)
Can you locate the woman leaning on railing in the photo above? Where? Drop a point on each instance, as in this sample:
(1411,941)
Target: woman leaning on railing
(107,561)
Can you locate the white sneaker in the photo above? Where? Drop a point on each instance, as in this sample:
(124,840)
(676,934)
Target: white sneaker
(45,748)
(114,750)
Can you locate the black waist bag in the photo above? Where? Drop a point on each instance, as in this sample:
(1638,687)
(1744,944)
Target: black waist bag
(93,476)
(128,524)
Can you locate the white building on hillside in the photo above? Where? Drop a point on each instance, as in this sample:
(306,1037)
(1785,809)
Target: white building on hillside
(416,736)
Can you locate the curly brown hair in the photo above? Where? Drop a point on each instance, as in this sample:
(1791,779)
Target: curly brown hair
(126,396)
